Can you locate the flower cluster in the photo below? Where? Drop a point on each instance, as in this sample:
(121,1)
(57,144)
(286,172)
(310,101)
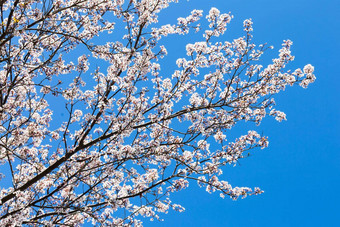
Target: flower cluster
(86,143)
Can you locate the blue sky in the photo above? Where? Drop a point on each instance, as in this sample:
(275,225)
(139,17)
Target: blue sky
(300,171)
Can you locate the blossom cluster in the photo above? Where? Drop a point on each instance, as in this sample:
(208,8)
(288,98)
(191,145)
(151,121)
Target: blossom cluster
(93,129)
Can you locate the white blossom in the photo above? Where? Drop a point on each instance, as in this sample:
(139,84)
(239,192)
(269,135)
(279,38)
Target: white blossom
(92,126)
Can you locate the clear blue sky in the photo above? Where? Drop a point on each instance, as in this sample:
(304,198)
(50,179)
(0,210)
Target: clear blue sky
(300,171)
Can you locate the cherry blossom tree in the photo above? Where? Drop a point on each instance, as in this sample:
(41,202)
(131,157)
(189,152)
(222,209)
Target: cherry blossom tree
(131,134)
